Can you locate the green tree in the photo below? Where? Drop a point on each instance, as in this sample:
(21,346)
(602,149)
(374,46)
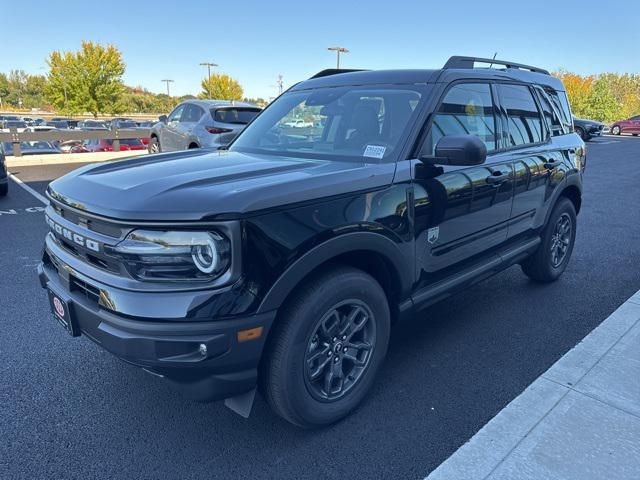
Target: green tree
(4,89)
(602,104)
(221,87)
(89,80)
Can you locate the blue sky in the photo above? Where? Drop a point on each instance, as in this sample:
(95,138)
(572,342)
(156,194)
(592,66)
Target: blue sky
(256,41)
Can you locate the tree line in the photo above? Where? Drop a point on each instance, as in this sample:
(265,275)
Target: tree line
(90,80)
(606,97)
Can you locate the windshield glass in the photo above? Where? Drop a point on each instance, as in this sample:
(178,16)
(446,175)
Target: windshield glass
(333,123)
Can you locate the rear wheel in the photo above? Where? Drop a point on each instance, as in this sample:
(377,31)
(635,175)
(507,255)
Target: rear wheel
(327,347)
(154,145)
(615,130)
(4,189)
(583,135)
(558,237)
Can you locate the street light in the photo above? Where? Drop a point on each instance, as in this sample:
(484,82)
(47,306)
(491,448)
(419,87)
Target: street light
(338,51)
(167,81)
(208,65)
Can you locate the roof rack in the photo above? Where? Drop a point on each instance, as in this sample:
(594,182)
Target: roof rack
(469,62)
(334,71)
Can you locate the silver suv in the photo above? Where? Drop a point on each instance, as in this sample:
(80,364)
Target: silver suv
(201,123)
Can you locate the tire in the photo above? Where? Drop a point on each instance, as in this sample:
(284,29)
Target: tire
(4,189)
(616,130)
(298,340)
(582,134)
(154,145)
(543,266)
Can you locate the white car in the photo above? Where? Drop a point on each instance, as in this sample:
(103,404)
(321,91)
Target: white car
(299,123)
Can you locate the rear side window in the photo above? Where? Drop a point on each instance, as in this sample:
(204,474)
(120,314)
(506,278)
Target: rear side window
(239,116)
(467,108)
(524,122)
(550,113)
(560,101)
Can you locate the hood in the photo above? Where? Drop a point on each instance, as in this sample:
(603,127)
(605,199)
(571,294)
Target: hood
(205,185)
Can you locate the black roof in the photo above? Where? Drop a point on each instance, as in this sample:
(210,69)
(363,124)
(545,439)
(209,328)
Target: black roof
(510,71)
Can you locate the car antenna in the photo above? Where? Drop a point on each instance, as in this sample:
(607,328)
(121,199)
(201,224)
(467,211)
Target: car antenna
(493,58)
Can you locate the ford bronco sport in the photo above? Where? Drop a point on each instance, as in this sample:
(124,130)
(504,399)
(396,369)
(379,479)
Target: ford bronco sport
(281,262)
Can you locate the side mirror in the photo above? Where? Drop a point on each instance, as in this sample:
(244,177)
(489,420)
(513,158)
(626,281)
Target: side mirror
(459,150)
(162,118)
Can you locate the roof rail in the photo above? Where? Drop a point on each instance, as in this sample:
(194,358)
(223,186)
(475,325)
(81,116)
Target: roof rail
(469,62)
(334,71)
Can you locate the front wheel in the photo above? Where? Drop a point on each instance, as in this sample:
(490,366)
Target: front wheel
(582,134)
(558,238)
(615,130)
(4,189)
(326,348)
(154,145)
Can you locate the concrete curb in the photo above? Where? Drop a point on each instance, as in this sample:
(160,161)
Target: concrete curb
(578,420)
(61,158)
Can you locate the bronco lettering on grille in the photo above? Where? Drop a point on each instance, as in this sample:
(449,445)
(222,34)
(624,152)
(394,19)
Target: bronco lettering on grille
(72,236)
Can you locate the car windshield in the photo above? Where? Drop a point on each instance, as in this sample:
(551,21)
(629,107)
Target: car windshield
(124,124)
(239,116)
(338,123)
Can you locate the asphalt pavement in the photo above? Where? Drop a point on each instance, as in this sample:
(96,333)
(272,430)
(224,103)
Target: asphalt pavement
(71,410)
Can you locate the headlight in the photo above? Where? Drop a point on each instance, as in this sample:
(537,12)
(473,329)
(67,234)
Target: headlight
(174,256)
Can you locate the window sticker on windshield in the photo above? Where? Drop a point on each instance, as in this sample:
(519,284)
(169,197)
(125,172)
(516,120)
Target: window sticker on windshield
(374,151)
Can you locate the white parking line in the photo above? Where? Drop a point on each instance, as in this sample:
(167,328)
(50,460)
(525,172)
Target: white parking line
(28,188)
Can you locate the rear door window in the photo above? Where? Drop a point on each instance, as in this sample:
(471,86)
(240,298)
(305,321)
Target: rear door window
(237,116)
(192,113)
(523,116)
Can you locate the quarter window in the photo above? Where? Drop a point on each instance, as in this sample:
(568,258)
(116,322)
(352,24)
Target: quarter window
(467,108)
(524,122)
(550,113)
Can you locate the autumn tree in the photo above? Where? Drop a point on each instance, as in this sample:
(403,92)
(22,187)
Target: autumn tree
(89,80)
(221,87)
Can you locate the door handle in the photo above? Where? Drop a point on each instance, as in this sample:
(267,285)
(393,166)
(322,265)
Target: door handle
(550,165)
(497,179)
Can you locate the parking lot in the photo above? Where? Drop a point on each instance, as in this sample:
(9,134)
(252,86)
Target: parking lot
(72,410)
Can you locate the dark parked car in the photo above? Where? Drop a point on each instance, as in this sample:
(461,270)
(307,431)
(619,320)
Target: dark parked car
(36,147)
(63,122)
(106,145)
(587,129)
(283,261)
(92,125)
(201,123)
(631,125)
(4,179)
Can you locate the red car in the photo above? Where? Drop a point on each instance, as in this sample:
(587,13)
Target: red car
(631,125)
(103,145)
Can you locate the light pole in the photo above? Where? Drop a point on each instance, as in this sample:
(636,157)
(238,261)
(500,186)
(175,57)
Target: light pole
(338,51)
(208,65)
(280,84)
(167,81)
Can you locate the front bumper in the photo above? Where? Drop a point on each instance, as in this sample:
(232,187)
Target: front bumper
(170,349)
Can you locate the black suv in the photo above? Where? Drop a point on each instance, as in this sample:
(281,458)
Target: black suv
(281,262)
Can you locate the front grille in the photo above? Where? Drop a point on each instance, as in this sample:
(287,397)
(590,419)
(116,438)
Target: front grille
(103,262)
(92,224)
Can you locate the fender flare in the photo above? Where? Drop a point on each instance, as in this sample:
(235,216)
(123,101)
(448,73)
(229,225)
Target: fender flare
(569,181)
(348,242)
